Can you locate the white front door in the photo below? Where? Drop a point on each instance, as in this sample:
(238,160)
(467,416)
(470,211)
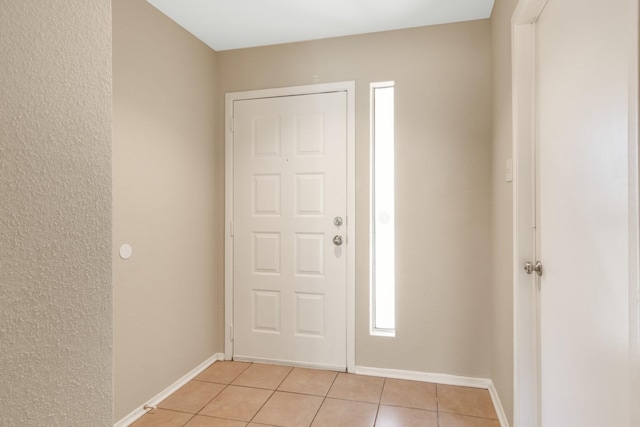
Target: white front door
(582,63)
(289,229)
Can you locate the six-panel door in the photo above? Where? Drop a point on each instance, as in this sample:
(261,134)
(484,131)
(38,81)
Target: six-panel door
(289,186)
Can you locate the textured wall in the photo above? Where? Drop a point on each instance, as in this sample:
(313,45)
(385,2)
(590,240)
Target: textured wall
(164,194)
(443,132)
(55,213)
(502,206)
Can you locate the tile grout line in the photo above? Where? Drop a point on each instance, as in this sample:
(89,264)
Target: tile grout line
(285,377)
(273,392)
(226,386)
(262,406)
(324,398)
(470,416)
(213,398)
(189,420)
(270,396)
(375,419)
(318,410)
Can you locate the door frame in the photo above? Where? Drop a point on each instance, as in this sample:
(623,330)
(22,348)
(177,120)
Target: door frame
(525,305)
(349,88)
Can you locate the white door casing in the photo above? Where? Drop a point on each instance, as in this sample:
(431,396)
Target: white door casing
(576,328)
(289,288)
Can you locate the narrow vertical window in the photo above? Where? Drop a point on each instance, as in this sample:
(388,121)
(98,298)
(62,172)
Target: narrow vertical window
(382,210)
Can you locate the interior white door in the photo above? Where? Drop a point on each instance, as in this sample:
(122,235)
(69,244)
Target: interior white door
(290,205)
(582,213)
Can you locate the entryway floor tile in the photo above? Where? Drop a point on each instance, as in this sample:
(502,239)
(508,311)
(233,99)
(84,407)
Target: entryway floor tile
(263,376)
(395,416)
(345,413)
(200,421)
(454,420)
(357,387)
(465,401)
(237,403)
(308,381)
(192,397)
(289,410)
(238,394)
(410,394)
(223,372)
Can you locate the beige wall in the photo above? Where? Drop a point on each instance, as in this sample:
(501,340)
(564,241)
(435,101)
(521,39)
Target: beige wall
(55,213)
(168,198)
(443,154)
(164,169)
(502,206)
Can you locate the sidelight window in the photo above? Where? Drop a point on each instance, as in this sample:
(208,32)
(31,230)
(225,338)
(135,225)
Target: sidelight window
(382,221)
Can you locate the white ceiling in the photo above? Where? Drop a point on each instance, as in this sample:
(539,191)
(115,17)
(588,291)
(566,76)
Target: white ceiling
(233,24)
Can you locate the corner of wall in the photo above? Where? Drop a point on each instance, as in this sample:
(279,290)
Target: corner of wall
(502,205)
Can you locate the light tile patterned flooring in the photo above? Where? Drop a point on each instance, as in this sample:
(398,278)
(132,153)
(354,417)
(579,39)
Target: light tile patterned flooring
(238,394)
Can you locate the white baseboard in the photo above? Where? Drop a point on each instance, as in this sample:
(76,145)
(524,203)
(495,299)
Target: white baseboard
(140,411)
(502,417)
(425,377)
(446,379)
(131,418)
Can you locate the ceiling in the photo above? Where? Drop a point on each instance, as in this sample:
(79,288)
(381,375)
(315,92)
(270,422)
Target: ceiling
(234,24)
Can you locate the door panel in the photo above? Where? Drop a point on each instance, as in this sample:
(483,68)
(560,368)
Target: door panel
(582,213)
(289,184)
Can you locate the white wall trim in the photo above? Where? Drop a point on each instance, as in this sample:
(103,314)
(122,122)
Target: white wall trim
(445,379)
(131,418)
(497,404)
(350,88)
(140,411)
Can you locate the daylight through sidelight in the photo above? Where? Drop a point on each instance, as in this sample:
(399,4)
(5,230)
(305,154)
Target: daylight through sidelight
(382,210)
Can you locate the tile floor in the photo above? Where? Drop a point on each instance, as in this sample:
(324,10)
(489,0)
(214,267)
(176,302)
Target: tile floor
(238,394)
